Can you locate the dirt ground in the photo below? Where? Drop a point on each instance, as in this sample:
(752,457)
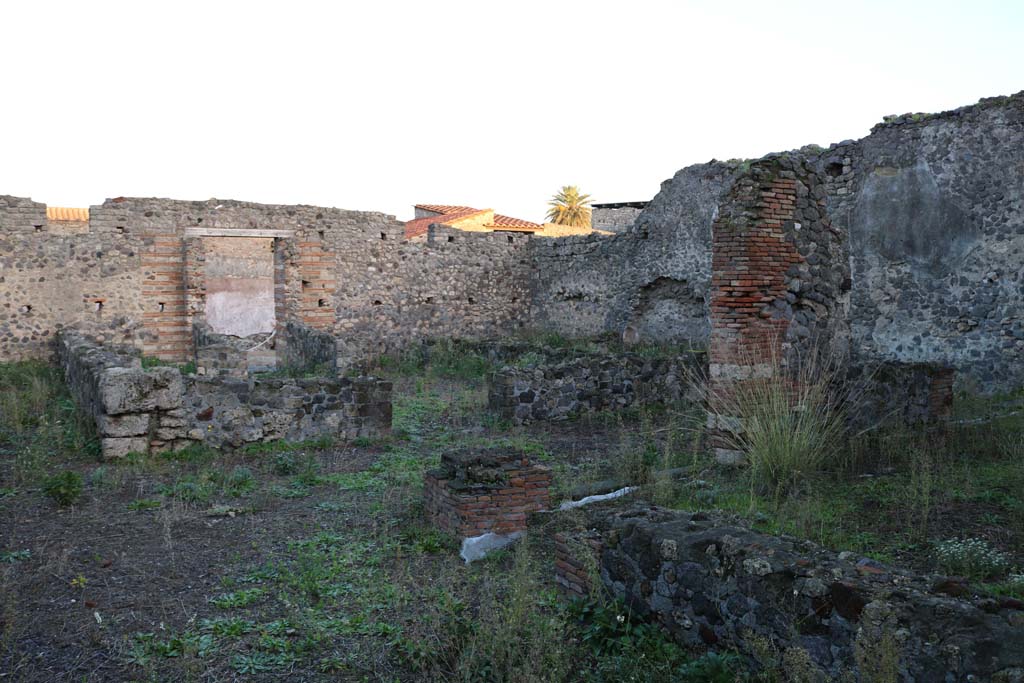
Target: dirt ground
(131,563)
(314,564)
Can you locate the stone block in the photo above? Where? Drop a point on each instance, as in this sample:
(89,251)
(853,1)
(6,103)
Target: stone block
(113,448)
(130,424)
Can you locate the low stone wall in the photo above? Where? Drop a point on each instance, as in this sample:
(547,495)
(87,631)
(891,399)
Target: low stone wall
(135,409)
(491,490)
(306,349)
(712,582)
(228,413)
(155,409)
(904,393)
(563,388)
(222,355)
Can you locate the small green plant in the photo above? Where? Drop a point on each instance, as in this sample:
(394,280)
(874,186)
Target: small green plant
(188,490)
(241,598)
(12,556)
(1013,587)
(233,627)
(240,481)
(64,488)
(141,504)
(712,667)
(285,464)
(194,453)
(973,558)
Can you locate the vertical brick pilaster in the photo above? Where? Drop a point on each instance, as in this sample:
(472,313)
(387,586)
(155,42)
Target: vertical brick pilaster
(750,257)
(165,316)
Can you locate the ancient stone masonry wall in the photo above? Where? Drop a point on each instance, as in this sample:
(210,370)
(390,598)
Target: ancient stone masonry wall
(934,207)
(228,412)
(901,394)
(565,385)
(156,409)
(146,271)
(453,284)
(309,350)
(135,409)
(62,274)
(614,218)
(486,491)
(655,277)
(711,582)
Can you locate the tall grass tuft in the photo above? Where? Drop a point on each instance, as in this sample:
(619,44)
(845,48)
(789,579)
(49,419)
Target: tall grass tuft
(791,420)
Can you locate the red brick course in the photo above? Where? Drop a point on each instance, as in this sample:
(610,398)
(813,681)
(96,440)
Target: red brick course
(457,503)
(573,568)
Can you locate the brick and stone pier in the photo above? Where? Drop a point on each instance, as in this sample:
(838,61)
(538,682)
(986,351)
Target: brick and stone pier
(489,490)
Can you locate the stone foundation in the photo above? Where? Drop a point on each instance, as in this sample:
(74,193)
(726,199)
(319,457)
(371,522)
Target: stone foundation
(155,409)
(712,582)
(492,490)
(563,387)
(903,393)
(135,409)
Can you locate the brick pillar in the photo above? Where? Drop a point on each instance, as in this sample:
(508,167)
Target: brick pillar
(940,394)
(165,319)
(750,257)
(490,490)
(195,284)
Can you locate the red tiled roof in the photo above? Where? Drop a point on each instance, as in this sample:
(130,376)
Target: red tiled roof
(507,222)
(61,213)
(419,226)
(444,208)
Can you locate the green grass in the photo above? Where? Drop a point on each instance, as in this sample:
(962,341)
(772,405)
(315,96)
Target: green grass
(39,422)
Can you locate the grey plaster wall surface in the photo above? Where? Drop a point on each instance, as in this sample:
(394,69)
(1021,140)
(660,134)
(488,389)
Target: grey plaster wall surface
(934,209)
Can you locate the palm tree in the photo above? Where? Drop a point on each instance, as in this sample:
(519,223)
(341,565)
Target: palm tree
(569,207)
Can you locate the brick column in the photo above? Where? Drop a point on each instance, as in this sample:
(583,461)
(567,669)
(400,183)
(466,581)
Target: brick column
(750,257)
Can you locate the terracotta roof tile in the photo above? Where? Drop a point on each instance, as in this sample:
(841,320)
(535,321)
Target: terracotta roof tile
(501,221)
(61,213)
(419,226)
(444,208)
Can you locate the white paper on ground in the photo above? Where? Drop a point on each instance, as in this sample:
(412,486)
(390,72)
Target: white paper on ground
(477,547)
(570,504)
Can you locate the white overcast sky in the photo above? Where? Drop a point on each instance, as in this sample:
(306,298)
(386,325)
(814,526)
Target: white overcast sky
(379,105)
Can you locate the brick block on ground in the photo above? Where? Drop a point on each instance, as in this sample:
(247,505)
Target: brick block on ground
(474,492)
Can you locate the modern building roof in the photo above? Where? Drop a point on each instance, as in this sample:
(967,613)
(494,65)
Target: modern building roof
(62,213)
(419,226)
(451,213)
(443,208)
(506,222)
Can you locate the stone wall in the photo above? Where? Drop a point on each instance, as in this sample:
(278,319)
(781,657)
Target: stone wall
(229,413)
(902,394)
(485,491)
(135,409)
(156,409)
(655,277)
(615,217)
(712,582)
(146,271)
(307,350)
(53,277)
(934,208)
(563,385)
(904,246)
